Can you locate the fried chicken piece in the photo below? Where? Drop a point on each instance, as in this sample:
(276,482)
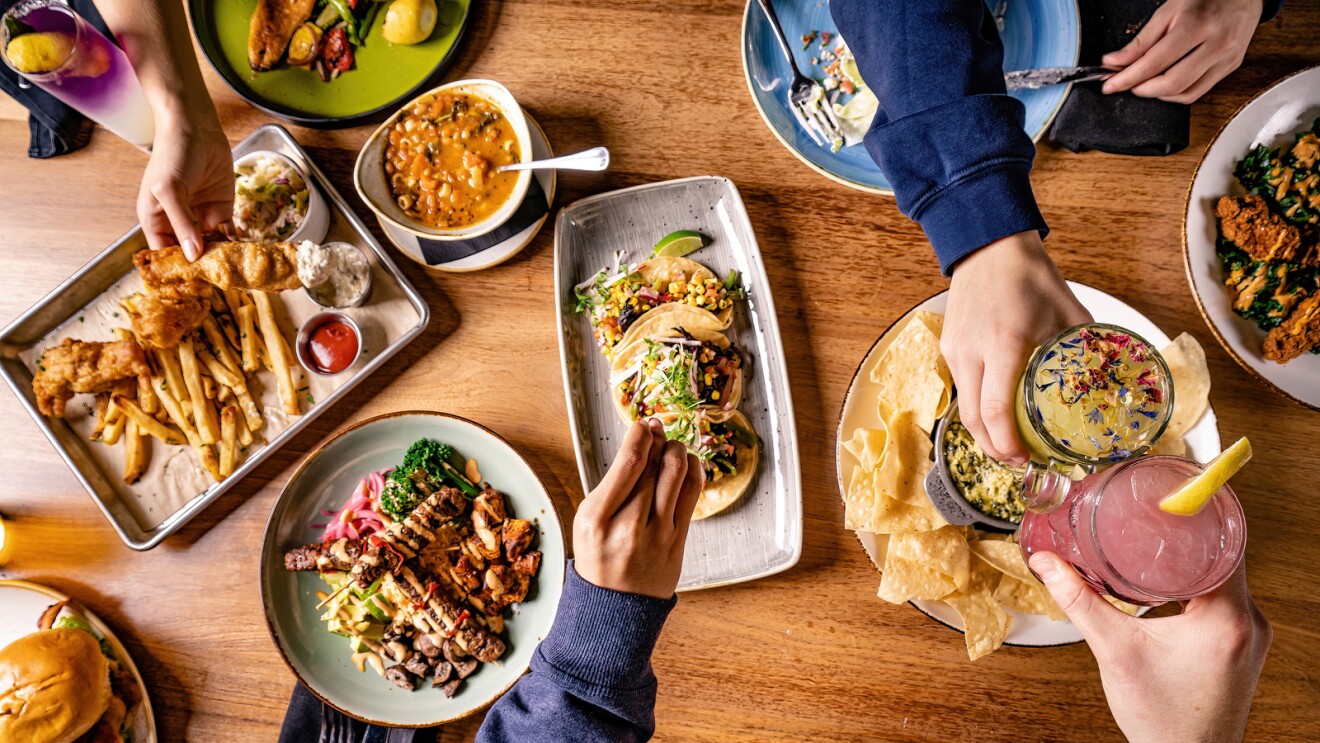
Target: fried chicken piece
(84,366)
(161,322)
(273,23)
(1247,222)
(266,267)
(1297,334)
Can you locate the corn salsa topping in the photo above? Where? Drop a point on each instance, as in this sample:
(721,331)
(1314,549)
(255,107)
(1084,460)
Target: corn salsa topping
(678,374)
(615,300)
(441,157)
(714,443)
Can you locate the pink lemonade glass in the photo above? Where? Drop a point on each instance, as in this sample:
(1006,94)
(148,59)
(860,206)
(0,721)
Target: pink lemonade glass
(78,65)
(1110,527)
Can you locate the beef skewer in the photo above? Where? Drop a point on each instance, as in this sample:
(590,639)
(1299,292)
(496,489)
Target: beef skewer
(443,614)
(322,557)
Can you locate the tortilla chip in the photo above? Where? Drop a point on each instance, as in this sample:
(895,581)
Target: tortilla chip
(893,516)
(1006,557)
(912,375)
(1170,443)
(867,446)
(859,503)
(985,622)
(944,549)
(904,580)
(1191,383)
(1028,598)
(932,320)
(1123,606)
(908,457)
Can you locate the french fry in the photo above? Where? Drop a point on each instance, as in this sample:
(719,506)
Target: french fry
(172,379)
(210,387)
(146,424)
(275,347)
(102,401)
(245,438)
(224,395)
(247,336)
(135,453)
(234,298)
(203,412)
(217,301)
(230,329)
(204,452)
(223,374)
(220,344)
(251,411)
(146,396)
(115,428)
(228,439)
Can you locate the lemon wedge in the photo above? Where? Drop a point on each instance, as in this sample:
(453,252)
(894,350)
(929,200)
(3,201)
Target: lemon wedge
(1192,496)
(4,553)
(41,51)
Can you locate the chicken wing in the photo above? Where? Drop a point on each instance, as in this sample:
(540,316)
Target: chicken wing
(84,366)
(267,267)
(161,322)
(273,24)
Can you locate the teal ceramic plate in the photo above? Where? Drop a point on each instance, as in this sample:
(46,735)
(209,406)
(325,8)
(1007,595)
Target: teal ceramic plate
(384,75)
(324,480)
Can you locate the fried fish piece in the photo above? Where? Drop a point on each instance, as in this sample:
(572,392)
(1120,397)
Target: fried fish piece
(162,321)
(258,266)
(1297,334)
(1247,222)
(84,367)
(273,24)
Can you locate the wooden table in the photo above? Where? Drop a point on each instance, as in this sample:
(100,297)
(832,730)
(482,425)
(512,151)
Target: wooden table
(810,654)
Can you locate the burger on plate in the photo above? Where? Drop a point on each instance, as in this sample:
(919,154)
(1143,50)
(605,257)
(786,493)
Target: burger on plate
(61,686)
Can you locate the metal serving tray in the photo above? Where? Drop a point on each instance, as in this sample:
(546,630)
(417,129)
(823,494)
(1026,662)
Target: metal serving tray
(761,534)
(113,264)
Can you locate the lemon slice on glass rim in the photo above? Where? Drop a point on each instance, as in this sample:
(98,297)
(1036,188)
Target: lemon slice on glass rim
(1189,499)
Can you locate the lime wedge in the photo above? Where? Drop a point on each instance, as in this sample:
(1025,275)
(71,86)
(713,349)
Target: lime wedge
(678,244)
(1192,496)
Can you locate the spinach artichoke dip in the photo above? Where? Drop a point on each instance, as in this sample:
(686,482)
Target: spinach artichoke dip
(989,486)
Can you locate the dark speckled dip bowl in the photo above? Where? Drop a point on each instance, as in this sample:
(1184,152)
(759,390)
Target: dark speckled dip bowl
(944,493)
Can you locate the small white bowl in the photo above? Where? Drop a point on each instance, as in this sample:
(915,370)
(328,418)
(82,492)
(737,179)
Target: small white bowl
(316,223)
(374,187)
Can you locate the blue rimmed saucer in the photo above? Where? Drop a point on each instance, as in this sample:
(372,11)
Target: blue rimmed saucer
(498,245)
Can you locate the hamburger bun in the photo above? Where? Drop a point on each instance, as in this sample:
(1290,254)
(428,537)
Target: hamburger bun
(54,686)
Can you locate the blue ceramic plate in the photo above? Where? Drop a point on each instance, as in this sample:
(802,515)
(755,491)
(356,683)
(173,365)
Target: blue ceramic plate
(1037,33)
(324,480)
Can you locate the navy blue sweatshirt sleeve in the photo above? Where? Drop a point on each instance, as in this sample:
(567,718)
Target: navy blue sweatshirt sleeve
(948,138)
(591,677)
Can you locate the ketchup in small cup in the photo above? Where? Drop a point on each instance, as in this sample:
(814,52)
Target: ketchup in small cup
(329,343)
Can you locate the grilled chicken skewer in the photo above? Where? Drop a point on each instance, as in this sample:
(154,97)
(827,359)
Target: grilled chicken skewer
(402,540)
(323,557)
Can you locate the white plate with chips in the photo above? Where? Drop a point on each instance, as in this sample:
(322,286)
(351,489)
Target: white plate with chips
(861,410)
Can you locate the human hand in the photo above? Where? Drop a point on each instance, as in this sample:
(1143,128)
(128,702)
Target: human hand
(1188,677)
(1005,299)
(1185,48)
(188,186)
(629,533)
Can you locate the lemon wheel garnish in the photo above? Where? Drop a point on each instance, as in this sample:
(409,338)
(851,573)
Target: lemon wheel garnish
(1192,497)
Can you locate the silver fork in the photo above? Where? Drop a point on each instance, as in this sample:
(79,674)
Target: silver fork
(335,726)
(817,119)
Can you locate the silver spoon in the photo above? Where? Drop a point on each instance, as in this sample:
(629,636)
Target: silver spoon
(596,158)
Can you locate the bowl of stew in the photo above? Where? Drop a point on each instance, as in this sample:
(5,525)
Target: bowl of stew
(430,168)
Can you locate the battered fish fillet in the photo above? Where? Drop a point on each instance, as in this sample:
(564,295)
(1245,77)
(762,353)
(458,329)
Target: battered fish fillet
(84,366)
(1247,222)
(273,24)
(1297,334)
(161,322)
(267,267)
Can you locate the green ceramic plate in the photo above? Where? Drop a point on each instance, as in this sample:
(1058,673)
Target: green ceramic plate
(384,77)
(324,480)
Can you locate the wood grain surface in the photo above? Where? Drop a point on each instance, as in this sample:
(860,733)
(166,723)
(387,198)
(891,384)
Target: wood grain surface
(810,654)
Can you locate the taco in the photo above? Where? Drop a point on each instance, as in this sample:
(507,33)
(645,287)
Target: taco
(676,371)
(728,449)
(616,300)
